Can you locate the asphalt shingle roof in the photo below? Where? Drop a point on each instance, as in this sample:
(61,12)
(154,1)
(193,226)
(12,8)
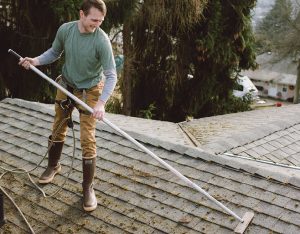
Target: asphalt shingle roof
(279,147)
(135,193)
(221,133)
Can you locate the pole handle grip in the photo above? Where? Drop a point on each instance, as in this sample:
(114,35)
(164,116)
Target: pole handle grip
(14,53)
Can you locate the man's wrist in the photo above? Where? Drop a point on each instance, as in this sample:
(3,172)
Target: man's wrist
(36,61)
(102,102)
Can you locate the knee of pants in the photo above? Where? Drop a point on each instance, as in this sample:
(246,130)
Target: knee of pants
(89,148)
(87,135)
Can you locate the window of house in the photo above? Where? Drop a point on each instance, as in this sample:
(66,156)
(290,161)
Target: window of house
(238,87)
(260,88)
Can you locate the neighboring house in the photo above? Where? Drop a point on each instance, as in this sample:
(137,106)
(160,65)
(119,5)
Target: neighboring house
(137,195)
(276,77)
(273,84)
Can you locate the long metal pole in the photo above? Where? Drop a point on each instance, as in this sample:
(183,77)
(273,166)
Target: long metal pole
(172,169)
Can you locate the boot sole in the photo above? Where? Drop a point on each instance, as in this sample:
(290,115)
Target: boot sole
(47,181)
(90,208)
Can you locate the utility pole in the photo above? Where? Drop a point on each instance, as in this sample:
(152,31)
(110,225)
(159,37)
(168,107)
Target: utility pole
(297,87)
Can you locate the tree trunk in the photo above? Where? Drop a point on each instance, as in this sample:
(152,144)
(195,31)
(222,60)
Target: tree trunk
(127,74)
(297,87)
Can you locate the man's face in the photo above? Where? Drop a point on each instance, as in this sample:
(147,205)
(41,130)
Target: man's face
(91,21)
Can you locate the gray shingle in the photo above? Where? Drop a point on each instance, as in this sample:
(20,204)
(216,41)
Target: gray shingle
(293,205)
(269,147)
(268,208)
(293,160)
(260,150)
(295,181)
(276,144)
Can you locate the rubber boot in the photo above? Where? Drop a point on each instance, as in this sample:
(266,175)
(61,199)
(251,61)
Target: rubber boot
(53,165)
(89,198)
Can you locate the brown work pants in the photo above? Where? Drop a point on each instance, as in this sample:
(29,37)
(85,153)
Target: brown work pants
(87,122)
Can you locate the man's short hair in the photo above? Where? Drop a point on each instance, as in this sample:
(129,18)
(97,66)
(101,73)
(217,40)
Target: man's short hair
(88,4)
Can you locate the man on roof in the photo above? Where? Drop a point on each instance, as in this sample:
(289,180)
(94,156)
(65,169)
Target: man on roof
(88,53)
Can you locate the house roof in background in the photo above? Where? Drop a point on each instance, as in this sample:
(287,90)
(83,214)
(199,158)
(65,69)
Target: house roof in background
(274,62)
(134,192)
(271,76)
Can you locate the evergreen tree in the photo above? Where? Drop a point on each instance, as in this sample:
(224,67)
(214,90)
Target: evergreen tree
(29,28)
(273,28)
(165,42)
(211,40)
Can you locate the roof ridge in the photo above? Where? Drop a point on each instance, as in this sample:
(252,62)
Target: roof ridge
(244,112)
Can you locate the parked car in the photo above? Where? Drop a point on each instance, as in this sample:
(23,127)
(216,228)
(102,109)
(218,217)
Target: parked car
(245,86)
